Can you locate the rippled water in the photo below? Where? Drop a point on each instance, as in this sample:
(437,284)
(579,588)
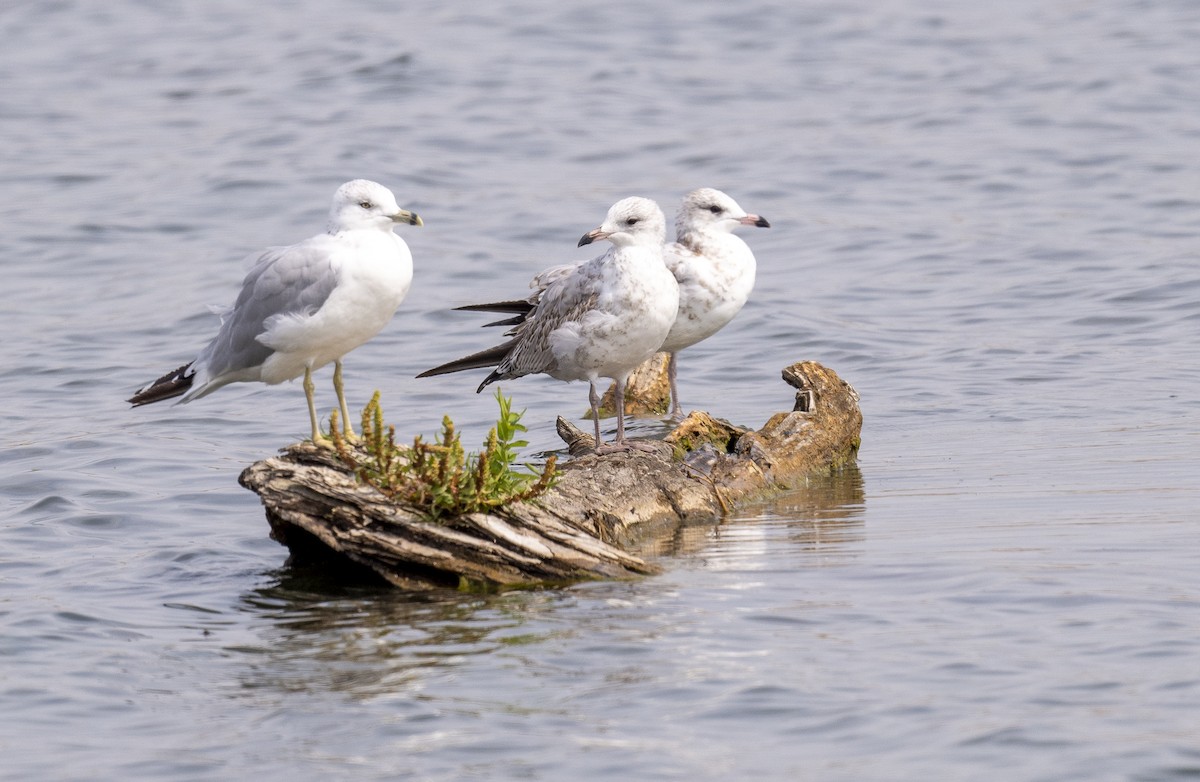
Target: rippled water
(986,217)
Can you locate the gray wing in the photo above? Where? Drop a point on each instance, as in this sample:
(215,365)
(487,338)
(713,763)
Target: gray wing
(562,294)
(565,296)
(294,280)
(520,308)
(547,277)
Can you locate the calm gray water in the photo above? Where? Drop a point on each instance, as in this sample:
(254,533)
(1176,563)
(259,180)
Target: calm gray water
(985,216)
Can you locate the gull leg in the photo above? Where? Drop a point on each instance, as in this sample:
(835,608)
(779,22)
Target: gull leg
(621,444)
(317,437)
(347,429)
(676,408)
(594,401)
(619,403)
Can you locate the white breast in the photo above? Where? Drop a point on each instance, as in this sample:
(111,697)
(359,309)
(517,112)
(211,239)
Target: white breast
(374,274)
(714,285)
(637,302)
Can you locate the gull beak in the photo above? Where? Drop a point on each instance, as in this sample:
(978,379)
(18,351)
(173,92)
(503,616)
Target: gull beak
(755,220)
(405,216)
(594,235)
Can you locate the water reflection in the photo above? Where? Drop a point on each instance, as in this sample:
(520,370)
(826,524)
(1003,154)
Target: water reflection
(824,513)
(315,632)
(362,639)
(825,516)
(319,634)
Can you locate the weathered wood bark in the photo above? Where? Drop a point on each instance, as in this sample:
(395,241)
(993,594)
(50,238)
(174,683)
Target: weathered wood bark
(575,531)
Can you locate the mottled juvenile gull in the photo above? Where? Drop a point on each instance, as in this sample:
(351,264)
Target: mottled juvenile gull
(714,269)
(599,318)
(306,305)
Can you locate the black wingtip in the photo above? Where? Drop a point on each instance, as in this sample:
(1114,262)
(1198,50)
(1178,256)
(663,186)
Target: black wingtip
(487,381)
(174,383)
(517,307)
(484,358)
(515,320)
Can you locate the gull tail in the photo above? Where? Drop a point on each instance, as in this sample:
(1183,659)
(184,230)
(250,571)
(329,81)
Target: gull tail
(173,384)
(484,358)
(515,320)
(519,308)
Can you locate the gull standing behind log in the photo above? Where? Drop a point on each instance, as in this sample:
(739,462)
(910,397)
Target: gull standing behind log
(599,318)
(714,269)
(306,305)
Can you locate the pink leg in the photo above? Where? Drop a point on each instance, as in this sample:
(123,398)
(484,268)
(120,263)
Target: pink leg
(594,401)
(621,444)
(620,402)
(676,408)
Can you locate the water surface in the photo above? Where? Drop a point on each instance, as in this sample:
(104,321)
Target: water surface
(985,218)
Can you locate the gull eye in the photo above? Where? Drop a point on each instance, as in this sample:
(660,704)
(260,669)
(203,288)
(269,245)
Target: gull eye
(366,204)
(715,209)
(631,221)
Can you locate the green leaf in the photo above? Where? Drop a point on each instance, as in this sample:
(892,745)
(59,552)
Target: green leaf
(441,477)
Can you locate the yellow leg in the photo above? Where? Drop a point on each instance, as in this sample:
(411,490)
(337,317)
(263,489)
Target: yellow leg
(317,437)
(347,428)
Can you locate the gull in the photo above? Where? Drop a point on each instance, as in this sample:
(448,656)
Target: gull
(307,304)
(714,269)
(598,318)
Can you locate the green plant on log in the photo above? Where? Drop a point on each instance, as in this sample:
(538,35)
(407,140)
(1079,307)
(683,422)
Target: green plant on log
(441,478)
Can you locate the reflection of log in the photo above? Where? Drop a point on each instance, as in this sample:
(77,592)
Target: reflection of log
(317,508)
(824,513)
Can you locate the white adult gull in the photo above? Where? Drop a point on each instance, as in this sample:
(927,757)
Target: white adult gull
(714,269)
(307,304)
(599,318)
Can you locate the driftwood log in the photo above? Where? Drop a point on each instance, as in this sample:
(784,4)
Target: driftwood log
(580,529)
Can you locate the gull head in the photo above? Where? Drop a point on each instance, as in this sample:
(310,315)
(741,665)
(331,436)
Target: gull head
(361,203)
(709,210)
(630,221)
